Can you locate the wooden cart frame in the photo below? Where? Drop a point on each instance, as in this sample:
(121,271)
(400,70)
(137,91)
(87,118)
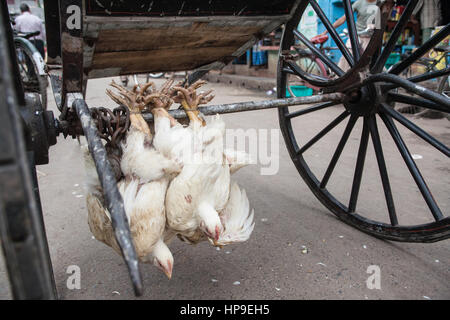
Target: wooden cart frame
(91,39)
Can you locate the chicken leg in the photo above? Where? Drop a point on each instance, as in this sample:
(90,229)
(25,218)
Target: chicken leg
(190,100)
(134,101)
(159,102)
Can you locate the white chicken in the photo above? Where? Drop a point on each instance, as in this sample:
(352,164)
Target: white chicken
(177,182)
(237,219)
(147,174)
(201,191)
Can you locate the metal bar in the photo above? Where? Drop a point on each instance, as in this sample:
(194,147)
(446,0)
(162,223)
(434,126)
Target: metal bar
(311,109)
(430,75)
(359,167)
(420,78)
(337,39)
(417,101)
(433,41)
(52,31)
(417,130)
(255,105)
(376,141)
(310,78)
(196,75)
(381,61)
(318,53)
(408,85)
(113,199)
(338,151)
(288,70)
(71,25)
(313,79)
(350,79)
(352,33)
(324,131)
(415,172)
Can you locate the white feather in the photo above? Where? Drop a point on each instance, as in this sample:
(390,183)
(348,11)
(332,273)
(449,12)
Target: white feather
(237,219)
(237,159)
(92,182)
(144,161)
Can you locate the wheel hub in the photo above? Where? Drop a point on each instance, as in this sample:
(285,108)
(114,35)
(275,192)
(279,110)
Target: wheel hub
(362,101)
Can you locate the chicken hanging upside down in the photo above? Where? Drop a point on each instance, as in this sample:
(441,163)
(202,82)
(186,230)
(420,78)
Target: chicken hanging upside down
(146,177)
(177,182)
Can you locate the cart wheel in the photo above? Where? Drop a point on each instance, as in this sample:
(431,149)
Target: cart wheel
(368,97)
(29,72)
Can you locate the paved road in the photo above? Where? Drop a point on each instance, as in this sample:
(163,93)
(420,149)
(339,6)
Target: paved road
(298,249)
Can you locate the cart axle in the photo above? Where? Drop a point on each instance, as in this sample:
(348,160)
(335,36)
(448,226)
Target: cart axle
(255,105)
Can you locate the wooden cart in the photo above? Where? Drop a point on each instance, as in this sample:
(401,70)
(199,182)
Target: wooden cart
(90,39)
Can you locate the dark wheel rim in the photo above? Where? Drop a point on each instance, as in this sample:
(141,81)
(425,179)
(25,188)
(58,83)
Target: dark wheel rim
(31,80)
(370,94)
(309,64)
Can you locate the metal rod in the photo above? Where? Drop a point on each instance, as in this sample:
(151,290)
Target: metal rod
(113,199)
(417,101)
(337,39)
(314,108)
(318,53)
(324,131)
(338,151)
(352,33)
(194,76)
(351,79)
(309,78)
(376,141)
(417,130)
(255,105)
(381,61)
(359,168)
(413,169)
(433,41)
(408,85)
(421,77)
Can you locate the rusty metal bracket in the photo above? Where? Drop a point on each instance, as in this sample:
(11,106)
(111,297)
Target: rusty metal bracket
(71,24)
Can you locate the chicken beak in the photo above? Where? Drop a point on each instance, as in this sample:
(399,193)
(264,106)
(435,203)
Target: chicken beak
(168,271)
(168,274)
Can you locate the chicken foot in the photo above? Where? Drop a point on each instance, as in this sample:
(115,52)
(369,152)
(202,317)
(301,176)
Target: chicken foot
(190,100)
(134,102)
(159,102)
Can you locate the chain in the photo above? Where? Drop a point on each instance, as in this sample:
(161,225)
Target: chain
(112,125)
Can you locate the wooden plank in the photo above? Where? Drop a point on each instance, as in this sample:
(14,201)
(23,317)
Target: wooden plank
(126,45)
(188,8)
(171,59)
(198,34)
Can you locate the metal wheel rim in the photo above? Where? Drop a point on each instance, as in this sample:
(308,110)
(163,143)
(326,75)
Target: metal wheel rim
(428,232)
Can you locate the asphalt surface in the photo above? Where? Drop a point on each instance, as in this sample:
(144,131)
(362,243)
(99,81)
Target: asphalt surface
(298,250)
